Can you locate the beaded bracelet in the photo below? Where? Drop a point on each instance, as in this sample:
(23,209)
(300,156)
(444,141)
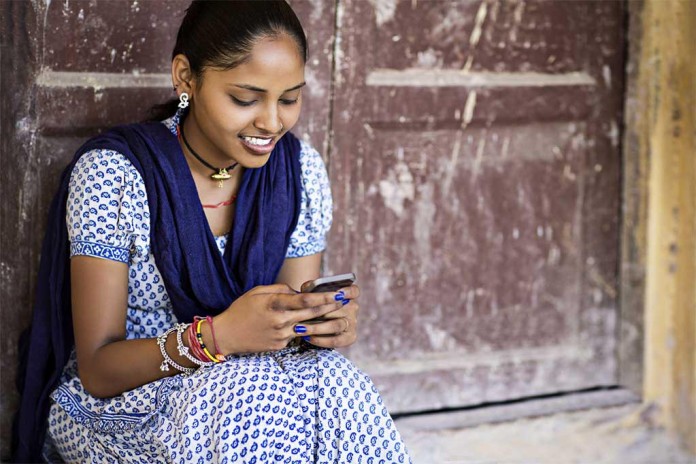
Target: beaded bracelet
(193,343)
(164,367)
(218,352)
(199,336)
(183,349)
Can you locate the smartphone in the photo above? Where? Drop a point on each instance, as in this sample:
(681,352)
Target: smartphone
(329,284)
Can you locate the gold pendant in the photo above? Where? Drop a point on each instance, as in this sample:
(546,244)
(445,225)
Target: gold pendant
(221,176)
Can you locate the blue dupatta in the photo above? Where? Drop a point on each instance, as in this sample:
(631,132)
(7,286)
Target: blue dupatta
(198,279)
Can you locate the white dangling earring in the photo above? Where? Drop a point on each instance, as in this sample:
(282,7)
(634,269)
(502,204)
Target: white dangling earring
(183,104)
(183,100)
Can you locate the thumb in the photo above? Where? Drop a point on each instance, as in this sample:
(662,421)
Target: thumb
(274,288)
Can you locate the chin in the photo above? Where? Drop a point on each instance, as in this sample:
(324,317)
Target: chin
(248,161)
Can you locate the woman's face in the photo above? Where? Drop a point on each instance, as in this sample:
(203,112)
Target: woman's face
(239,114)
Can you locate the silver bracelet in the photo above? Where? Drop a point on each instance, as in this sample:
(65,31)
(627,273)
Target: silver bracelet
(183,349)
(164,367)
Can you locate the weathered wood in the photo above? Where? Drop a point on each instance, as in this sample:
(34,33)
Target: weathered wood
(490,414)
(634,215)
(476,173)
(667,71)
(20,229)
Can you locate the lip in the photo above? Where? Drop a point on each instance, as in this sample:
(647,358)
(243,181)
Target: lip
(257,150)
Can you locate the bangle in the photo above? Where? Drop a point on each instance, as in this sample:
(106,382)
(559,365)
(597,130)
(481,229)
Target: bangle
(183,349)
(164,367)
(218,352)
(193,343)
(199,336)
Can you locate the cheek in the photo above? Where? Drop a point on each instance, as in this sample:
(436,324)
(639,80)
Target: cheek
(291,114)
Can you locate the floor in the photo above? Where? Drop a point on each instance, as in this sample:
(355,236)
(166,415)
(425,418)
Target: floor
(613,435)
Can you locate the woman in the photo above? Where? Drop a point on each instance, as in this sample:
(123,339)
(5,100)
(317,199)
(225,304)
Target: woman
(172,257)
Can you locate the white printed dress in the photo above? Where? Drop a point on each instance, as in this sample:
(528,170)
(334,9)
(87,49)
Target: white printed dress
(298,405)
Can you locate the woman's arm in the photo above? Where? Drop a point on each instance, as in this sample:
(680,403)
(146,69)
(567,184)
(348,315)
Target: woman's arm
(262,319)
(109,364)
(296,271)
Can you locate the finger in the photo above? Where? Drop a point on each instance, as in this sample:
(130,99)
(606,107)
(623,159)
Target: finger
(332,341)
(351,293)
(297,301)
(273,289)
(334,326)
(313,315)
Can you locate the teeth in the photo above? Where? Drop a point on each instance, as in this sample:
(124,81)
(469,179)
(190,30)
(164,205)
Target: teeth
(256,141)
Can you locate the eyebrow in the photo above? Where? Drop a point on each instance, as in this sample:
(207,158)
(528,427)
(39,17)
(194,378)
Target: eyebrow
(258,89)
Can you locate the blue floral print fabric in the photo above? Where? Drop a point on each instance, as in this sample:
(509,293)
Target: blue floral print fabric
(301,404)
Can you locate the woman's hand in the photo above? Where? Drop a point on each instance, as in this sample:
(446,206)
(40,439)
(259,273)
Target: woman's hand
(267,317)
(341,326)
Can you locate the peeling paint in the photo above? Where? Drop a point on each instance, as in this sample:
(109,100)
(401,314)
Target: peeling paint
(398,187)
(424,215)
(517,20)
(478,24)
(606,75)
(469,108)
(384,10)
(417,77)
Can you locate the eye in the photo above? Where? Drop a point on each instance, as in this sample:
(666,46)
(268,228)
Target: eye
(288,101)
(242,102)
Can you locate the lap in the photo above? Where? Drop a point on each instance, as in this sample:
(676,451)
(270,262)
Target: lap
(303,405)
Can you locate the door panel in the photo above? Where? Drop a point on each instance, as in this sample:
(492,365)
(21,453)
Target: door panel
(475,170)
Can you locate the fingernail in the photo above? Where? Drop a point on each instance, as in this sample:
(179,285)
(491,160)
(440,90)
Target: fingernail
(340,296)
(306,338)
(300,329)
(345,302)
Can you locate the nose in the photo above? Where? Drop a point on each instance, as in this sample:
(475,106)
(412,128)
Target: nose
(269,120)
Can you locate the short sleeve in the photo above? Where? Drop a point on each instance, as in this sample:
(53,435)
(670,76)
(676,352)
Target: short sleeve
(106,206)
(316,214)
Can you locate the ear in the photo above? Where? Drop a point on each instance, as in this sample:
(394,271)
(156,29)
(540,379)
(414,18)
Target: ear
(182,77)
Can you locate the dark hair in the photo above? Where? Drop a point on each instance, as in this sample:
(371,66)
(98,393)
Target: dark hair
(221,35)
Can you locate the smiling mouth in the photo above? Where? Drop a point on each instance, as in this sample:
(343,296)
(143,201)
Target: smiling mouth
(257,141)
(258,145)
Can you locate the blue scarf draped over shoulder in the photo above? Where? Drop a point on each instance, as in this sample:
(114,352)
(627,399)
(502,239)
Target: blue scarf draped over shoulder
(198,279)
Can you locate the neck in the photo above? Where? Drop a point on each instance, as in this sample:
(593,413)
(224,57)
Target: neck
(195,148)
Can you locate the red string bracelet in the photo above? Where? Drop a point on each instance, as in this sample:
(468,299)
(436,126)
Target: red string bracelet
(218,351)
(194,345)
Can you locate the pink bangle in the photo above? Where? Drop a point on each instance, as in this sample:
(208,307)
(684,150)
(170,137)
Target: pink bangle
(194,345)
(218,351)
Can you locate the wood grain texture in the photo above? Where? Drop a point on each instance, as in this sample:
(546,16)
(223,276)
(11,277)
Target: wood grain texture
(667,70)
(635,168)
(480,213)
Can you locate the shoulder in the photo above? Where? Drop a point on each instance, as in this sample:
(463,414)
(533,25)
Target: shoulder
(312,164)
(104,167)
(308,154)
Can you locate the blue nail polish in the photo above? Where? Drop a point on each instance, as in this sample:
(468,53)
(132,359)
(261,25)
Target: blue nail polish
(306,338)
(345,302)
(340,296)
(300,329)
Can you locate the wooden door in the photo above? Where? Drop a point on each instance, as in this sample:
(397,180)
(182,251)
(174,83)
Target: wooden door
(475,169)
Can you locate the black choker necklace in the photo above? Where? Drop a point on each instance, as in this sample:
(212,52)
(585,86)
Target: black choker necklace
(220,174)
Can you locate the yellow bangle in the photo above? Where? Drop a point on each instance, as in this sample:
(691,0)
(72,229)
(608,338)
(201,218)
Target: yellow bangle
(199,336)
